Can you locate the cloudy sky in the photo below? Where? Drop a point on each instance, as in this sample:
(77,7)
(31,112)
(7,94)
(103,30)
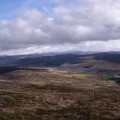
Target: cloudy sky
(41,26)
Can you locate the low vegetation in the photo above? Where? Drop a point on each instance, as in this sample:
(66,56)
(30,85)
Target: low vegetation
(53,95)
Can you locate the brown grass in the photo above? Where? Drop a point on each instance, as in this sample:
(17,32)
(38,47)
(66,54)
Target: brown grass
(51,95)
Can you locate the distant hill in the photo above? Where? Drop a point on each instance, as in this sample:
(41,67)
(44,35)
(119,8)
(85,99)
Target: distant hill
(111,57)
(61,59)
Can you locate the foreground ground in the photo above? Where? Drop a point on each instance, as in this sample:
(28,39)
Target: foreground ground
(53,95)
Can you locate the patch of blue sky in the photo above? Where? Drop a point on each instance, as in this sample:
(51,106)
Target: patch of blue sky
(8,8)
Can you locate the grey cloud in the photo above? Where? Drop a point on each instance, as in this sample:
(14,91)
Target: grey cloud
(68,24)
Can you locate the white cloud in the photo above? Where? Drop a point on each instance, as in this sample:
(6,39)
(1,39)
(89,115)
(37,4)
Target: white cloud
(95,20)
(93,46)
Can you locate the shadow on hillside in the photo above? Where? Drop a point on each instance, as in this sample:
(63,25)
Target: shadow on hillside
(7,69)
(117,80)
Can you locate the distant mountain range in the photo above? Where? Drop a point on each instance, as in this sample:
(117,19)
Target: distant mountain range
(57,59)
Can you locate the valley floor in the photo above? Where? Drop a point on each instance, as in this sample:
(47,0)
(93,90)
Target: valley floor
(54,95)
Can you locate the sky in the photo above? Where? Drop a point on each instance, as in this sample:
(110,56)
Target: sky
(43,26)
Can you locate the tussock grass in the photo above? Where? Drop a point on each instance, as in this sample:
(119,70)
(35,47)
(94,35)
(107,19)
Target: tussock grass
(52,95)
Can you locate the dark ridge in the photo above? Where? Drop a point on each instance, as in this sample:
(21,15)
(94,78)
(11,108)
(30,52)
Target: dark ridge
(56,60)
(49,61)
(111,57)
(6,69)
